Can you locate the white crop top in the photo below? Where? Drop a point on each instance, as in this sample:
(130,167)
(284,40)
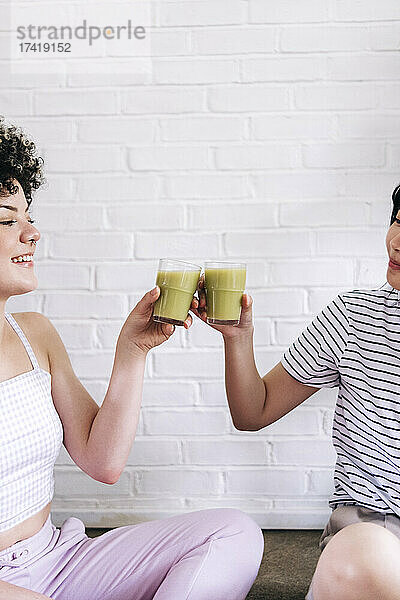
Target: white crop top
(31,435)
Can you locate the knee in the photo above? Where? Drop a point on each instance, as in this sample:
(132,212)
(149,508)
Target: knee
(337,572)
(351,565)
(234,522)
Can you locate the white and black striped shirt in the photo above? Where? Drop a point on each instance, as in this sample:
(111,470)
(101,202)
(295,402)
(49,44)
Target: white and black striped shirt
(354,344)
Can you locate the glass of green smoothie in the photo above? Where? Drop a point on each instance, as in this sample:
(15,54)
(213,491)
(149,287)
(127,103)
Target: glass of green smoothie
(224,284)
(177,281)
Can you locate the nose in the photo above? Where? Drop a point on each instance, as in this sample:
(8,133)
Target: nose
(395,243)
(30,233)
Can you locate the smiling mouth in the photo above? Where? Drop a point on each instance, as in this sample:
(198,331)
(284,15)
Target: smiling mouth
(26,264)
(393,264)
(27,261)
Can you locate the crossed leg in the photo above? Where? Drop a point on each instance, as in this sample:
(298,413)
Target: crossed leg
(361,562)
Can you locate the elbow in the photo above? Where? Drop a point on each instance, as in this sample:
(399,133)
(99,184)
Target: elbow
(254,425)
(258,420)
(109,478)
(242,426)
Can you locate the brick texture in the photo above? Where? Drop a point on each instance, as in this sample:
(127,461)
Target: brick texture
(265,132)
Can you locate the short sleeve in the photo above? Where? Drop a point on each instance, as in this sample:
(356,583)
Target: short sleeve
(313,359)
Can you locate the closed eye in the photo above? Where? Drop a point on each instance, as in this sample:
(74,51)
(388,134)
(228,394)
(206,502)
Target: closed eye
(32,221)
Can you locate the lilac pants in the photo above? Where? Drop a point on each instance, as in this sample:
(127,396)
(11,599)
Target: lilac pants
(205,555)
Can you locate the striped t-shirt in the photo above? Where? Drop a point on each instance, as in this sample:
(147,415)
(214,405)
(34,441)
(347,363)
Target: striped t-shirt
(354,344)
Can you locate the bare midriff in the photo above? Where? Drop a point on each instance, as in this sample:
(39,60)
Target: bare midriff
(24,530)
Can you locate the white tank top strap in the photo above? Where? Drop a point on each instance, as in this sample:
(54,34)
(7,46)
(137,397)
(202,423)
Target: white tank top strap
(23,339)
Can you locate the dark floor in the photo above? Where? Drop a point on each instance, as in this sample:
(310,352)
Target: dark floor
(290,558)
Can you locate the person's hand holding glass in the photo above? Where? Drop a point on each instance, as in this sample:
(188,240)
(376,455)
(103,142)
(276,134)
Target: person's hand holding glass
(222,302)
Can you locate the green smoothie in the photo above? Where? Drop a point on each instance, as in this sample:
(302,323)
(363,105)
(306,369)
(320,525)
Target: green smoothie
(177,289)
(224,290)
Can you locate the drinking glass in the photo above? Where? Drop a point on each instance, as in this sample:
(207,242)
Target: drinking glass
(224,284)
(177,281)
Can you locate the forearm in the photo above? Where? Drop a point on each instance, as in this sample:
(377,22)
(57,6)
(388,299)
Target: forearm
(114,427)
(245,388)
(8,591)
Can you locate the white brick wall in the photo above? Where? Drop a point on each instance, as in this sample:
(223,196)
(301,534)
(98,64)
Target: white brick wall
(266,132)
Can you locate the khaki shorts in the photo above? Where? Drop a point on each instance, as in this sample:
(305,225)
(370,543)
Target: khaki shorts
(344,515)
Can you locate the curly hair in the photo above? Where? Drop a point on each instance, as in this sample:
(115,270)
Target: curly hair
(396,203)
(18,161)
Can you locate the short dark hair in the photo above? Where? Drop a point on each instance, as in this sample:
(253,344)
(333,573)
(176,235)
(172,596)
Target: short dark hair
(396,203)
(18,161)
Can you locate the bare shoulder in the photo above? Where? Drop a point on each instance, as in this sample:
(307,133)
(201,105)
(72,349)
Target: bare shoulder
(33,320)
(37,329)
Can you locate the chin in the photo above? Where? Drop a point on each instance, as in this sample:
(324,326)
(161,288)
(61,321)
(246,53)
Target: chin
(393,279)
(24,289)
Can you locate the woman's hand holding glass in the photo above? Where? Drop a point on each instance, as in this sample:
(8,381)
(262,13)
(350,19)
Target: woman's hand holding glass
(140,333)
